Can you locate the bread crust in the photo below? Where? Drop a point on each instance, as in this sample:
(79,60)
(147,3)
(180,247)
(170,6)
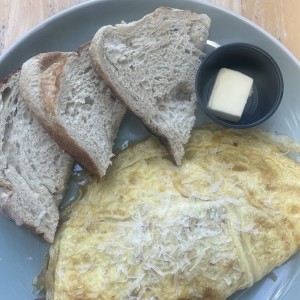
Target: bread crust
(29,197)
(63,139)
(50,71)
(171,137)
(56,61)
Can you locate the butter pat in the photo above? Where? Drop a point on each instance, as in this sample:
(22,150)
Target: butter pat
(229,95)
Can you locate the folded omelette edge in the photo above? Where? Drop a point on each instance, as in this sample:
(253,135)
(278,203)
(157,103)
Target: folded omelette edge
(151,230)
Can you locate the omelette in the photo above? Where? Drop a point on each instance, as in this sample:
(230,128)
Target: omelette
(152,230)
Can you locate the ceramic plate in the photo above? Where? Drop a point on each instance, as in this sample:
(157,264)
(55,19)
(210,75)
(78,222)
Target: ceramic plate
(21,253)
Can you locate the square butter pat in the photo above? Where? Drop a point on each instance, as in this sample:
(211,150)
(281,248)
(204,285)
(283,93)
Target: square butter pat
(229,95)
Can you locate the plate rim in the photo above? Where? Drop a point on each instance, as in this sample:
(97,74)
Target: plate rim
(79,6)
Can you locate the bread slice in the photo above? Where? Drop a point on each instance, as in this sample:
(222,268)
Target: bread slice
(34,170)
(74,105)
(151,65)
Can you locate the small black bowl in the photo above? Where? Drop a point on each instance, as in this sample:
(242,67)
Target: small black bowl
(258,64)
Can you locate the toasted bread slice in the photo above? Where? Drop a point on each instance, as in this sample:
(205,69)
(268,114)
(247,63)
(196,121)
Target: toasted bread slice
(34,170)
(151,65)
(74,105)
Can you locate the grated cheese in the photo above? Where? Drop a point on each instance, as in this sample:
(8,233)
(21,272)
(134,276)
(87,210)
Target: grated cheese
(167,249)
(125,145)
(227,280)
(39,218)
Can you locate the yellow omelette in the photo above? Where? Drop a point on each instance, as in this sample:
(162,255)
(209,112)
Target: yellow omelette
(203,230)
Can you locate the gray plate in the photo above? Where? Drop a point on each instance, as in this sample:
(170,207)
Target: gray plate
(22,254)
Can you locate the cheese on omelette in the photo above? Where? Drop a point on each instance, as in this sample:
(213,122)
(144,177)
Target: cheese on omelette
(203,230)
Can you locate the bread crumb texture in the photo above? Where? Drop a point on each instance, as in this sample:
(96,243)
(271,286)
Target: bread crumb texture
(34,170)
(152,65)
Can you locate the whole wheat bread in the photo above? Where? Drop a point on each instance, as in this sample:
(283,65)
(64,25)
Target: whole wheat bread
(34,170)
(74,105)
(151,65)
